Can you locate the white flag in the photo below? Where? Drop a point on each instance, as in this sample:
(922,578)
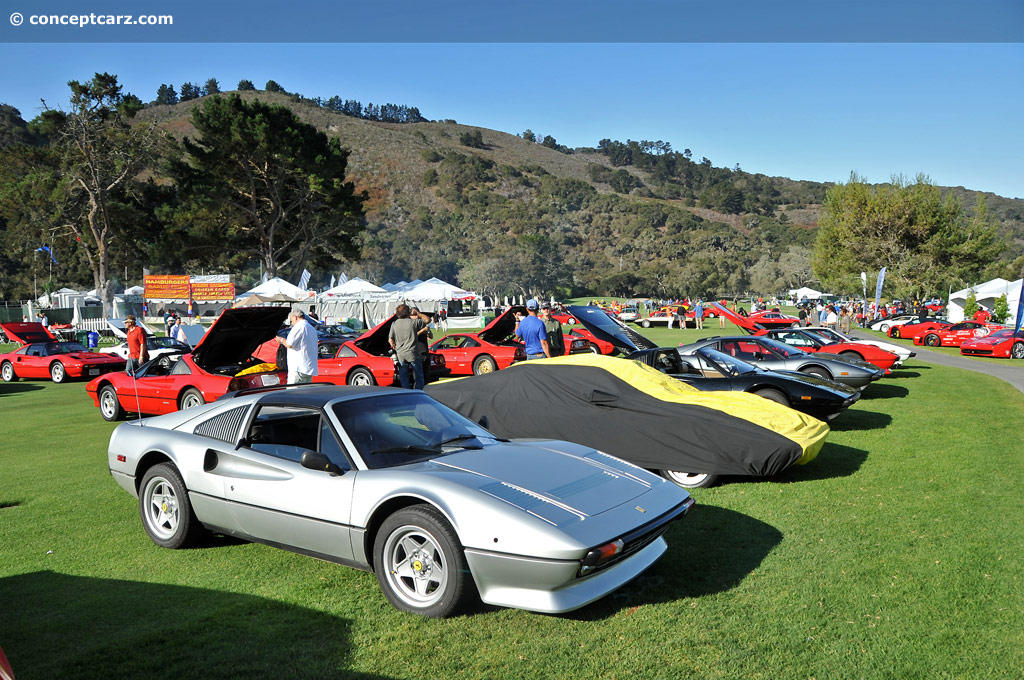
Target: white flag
(265,275)
(342,279)
(304,279)
(332,280)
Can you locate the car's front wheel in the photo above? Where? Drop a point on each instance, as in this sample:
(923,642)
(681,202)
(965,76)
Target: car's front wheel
(7,372)
(850,354)
(191,397)
(484,364)
(57,372)
(362,377)
(110,407)
(420,563)
(773,395)
(884,328)
(815,371)
(932,340)
(165,508)
(690,480)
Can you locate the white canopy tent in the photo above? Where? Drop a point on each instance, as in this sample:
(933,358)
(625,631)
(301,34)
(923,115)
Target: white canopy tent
(372,307)
(798,294)
(279,287)
(985,294)
(351,287)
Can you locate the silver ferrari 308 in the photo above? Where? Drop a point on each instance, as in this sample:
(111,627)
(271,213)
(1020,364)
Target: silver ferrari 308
(390,480)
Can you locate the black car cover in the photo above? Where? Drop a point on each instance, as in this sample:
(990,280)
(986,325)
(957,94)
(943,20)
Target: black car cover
(592,406)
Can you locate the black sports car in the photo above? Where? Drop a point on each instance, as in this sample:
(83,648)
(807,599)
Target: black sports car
(710,370)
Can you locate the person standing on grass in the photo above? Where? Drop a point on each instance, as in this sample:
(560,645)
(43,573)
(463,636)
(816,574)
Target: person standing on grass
(698,314)
(403,338)
(302,346)
(138,353)
(533,334)
(556,338)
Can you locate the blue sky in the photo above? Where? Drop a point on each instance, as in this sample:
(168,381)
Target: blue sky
(805,111)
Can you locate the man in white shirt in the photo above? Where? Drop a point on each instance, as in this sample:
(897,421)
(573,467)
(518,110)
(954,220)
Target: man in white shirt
(302,349)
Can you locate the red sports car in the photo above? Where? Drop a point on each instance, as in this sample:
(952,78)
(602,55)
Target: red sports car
(595,344)
(367,361)
(492,349)
(219,364)
(807,340)
(1002,343)
(909,330)
(955,335)
(758,320)
(563,315)
(41,355)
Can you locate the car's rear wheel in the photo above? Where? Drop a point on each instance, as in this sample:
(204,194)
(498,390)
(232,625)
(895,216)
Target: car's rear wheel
(361,377)
(645,323)
(932,340)
(594,349)
(571,321)
(795,324)
(420,563)
(191,397)
(110,407)
(815,371)
(1017,351)
(773,395)
(894,332)
(7,372)
(58,374)
(884,328)
(484,364)
(690,480)
(166,511)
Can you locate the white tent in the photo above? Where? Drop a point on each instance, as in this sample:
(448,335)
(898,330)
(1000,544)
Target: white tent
(799,294)
(436,289)
(354,286)
(279,287)
(985,294)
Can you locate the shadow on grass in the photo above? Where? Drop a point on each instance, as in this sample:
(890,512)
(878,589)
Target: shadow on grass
(885,391)
(900,373)
(7,389)
(63,626)
(856,419)
(834,460)
(709,551)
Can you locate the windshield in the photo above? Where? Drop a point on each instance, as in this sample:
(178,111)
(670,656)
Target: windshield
(64,348)
(406,427)
(725,364)
(782,348)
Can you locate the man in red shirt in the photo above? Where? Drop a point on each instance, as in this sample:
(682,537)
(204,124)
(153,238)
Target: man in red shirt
(138,353)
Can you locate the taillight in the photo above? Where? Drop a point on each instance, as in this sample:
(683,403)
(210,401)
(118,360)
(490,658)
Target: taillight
(237,384)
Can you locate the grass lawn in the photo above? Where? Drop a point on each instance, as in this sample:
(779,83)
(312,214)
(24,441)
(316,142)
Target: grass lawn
(897,553)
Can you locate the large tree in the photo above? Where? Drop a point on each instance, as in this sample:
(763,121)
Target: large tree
(925,240)
(257,182)
(84,182)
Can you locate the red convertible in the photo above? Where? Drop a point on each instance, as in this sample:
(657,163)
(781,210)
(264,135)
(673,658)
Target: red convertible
(1002,343)
(222,362)
(42,356)
(955,335)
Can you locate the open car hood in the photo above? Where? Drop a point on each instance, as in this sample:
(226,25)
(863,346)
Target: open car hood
(502,326)
(375,340)
(604,327)
(27,333)
(743,322)
(116,327)
(236,334)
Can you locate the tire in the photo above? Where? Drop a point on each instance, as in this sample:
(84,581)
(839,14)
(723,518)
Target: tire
(110,407)
(7,372)
(690,480)
(484,364)
(795,324)
(645,323)
(852,355)
(894,332)
(884,328)
(571,321)
(594,349)
(189,398)
(1016,352)
(933,340)
(818,372)
(420,563)
(165,509)
(57,372)
(773,395)
(362,377)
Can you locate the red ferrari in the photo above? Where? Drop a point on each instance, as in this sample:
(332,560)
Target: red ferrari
(367,361)
(492,349)
(222,362)
(595,344)
(812,342)
(41,355)
(563,315)
(1002,343)
(909,331)
(955,335)
(757,321)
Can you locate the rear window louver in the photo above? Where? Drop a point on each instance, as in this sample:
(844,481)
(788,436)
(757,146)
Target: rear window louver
(223,426)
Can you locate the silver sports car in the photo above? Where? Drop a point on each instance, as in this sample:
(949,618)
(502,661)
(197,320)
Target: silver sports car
(391,481)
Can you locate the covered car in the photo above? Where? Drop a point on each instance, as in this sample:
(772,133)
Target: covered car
(639,414)
(390,481)
(222,362)
(41,355)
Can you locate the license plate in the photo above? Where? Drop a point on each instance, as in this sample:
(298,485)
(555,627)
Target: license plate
(94,371)
(271,380)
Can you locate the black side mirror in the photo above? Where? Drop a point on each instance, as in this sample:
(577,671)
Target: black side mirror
(242,441)
(314,460)
(482,422)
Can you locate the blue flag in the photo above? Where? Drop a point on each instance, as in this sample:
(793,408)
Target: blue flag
(1020,308)
(46,249)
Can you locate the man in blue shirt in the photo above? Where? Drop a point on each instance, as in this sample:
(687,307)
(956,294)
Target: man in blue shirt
(532,332)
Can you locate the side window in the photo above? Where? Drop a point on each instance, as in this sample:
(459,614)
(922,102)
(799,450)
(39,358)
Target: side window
(345,352)
(470,342)
(331,447)
(284,431)
(181,368)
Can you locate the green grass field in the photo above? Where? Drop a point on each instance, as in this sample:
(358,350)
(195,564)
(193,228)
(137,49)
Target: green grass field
(897,553)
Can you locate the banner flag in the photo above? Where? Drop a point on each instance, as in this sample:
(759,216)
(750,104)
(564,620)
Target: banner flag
(332,281)
(878,287)
(304,279)
(342,279)
(1020,309)
(46,249)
